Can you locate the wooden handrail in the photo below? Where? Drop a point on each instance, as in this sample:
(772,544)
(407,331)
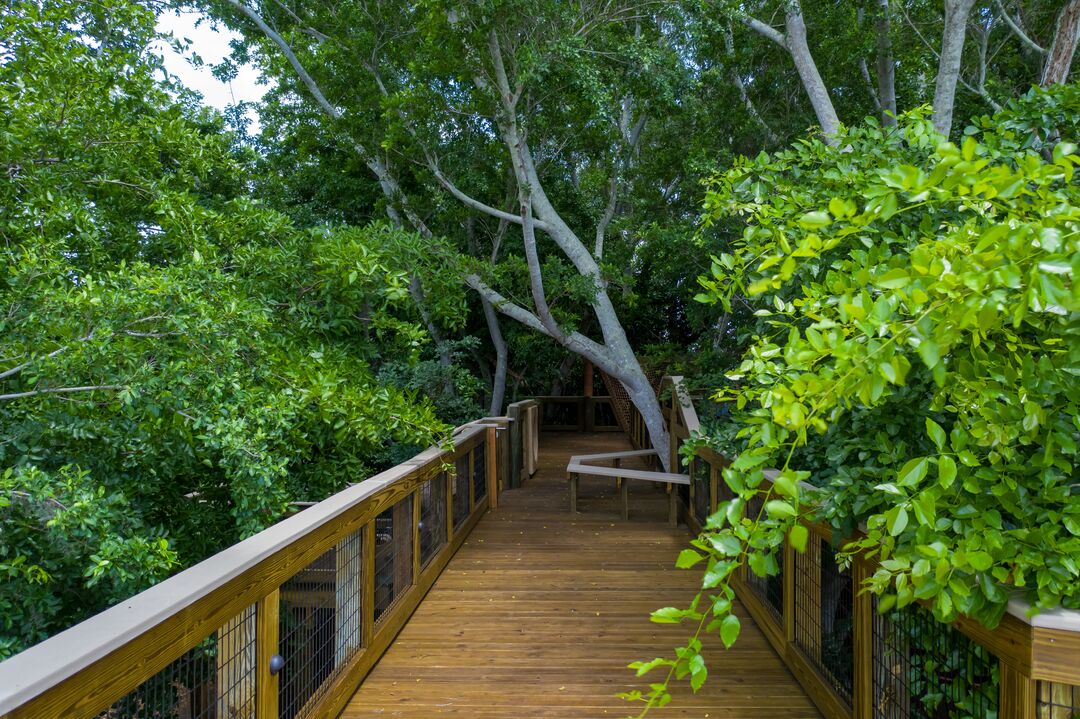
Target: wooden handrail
(85,669)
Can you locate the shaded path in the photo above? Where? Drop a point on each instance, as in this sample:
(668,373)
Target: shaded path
(540,612)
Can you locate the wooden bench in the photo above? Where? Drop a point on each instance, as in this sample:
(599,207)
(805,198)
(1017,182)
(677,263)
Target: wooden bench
(579,465)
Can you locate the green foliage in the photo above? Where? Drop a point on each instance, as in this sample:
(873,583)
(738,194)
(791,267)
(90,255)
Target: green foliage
(62,536)
(929,286)
(178,362)
(915,357)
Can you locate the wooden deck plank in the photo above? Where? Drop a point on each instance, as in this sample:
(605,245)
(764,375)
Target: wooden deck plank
(540,611)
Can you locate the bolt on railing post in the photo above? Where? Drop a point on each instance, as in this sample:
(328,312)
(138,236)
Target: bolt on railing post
(267,622)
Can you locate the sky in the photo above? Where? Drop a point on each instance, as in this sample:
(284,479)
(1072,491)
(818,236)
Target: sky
(212,46)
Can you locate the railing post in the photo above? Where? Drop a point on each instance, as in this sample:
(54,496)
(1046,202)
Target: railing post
(367,607)
(491,466)
(267,622)
(517,442)
(789,594)
(1017,696)
(862,618)
(416,535)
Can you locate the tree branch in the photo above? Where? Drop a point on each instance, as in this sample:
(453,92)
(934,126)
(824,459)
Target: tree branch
(767,31)
(1019,31)
(61,390)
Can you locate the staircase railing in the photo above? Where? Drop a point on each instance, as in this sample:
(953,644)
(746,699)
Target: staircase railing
(856,663)
(286,623)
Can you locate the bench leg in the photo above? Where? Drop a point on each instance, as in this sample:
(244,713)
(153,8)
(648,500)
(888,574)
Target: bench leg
(624,492)
(573,492)
(673,507)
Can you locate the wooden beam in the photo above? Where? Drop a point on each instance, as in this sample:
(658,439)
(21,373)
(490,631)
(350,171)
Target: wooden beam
(266,646)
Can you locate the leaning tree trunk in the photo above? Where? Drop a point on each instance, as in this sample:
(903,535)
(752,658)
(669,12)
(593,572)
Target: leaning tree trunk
(808,73)
(1060,56)
(952,50)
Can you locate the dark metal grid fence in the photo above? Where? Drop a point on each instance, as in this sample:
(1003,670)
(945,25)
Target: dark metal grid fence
(479,472)
(432,517)
(320,624)
(215,680)
(559,414)
(923,669)
(1058,701)
(393,555)
(702,489)
(823,613)
(604,415)
(769,589)
(682,489)
(461,490)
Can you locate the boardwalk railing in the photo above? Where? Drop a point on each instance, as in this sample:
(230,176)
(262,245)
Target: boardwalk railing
(856,663)
(577,414)
(284,624)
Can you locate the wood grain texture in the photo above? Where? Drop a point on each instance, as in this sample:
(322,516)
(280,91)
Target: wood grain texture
(540,611)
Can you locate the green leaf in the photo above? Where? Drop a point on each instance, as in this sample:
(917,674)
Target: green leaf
(896,520)
(894,279)
(797,537)
(779,509)
(913,472)
(815,220)
(729,630)
(667,615)
(929,352)
(936,434)
(688,558)
(946,471)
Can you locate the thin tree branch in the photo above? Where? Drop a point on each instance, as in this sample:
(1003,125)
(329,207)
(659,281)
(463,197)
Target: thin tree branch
(1019,31)
(61,390)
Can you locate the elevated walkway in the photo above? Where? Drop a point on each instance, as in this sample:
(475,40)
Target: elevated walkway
(540,611)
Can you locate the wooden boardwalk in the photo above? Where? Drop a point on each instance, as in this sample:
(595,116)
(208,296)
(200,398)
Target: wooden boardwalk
(540,612)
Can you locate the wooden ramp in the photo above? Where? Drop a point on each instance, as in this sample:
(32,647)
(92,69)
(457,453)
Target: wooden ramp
(540,612)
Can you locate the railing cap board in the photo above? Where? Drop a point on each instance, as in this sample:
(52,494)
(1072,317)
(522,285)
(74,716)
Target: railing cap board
(33,671)
(1066,620)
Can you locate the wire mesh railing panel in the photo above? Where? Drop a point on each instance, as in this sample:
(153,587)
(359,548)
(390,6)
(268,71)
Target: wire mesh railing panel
(432,517)
(702,478)
(682,489)
(770,590)
(214,680)
(557,413)
(823,615)
(604,414)
(1057,701)
(393,555)
(320,624)
(460,487)
(479,472)
(923,669)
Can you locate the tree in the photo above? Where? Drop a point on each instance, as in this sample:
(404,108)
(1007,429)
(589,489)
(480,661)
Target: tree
(914,359)
(178,362)
(491,76)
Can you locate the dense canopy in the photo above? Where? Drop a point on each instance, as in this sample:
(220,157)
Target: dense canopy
(852,225)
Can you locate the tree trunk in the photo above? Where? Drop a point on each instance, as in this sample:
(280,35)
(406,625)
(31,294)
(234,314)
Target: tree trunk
(952,50)
(498,384)
(1060,56)
(886,71)
(808,72)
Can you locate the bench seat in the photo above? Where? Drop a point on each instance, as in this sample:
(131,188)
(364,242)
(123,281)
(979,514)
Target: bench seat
(577,467)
